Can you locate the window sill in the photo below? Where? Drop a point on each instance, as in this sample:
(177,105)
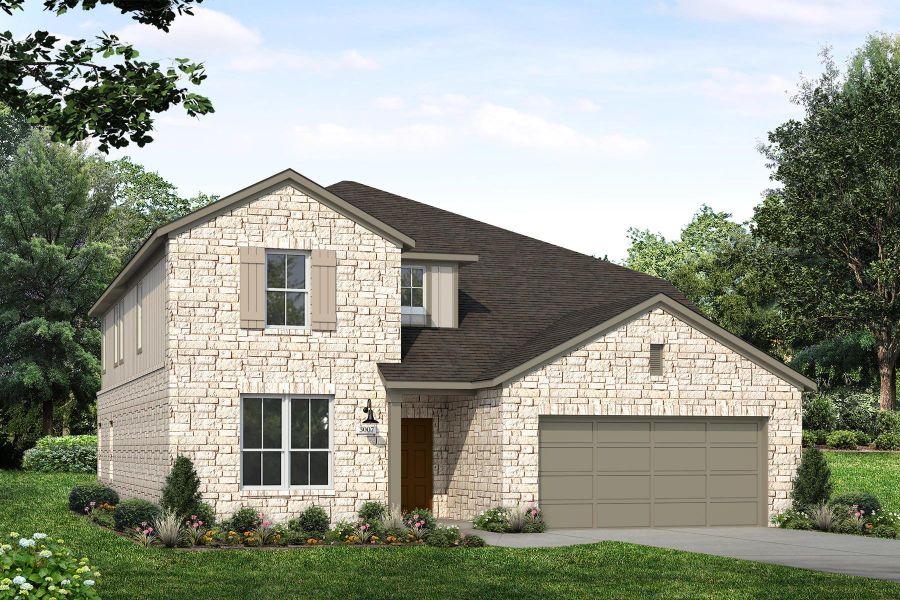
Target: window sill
(285,492)
(286,330)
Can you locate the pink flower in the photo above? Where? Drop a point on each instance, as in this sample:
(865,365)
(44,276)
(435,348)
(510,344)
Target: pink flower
(193,516)
(266,523)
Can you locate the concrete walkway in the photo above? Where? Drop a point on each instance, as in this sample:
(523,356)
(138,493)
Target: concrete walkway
(849,554)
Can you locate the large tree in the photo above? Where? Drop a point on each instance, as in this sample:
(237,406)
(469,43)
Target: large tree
(713,262)
(54,263)
(835,217)
(96,88)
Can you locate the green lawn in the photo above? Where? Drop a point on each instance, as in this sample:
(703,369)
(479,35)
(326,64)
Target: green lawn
(874,472)
(34,502)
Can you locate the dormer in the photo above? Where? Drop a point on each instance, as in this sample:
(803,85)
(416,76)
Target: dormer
(429,288)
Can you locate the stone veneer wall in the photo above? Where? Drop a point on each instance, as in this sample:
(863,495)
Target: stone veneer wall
(610,376)
(467,451)
(214,361)
(133,421)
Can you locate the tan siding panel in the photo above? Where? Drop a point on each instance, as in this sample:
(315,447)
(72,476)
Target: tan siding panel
(442,295)
(324,290)
(253,282)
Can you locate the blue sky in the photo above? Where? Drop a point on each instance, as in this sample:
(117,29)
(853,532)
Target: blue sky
(570,122)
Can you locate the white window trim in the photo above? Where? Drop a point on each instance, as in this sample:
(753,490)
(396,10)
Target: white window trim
(286,443)
(139,315)
(415,310)
(306,308)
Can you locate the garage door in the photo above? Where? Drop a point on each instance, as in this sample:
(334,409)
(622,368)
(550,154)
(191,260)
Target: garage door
(652,472)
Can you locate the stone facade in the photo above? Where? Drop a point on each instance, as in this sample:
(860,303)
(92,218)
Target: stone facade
(610,376)
(213,361)
(133,428)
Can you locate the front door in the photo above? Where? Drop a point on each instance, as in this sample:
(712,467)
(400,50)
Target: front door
(415,464)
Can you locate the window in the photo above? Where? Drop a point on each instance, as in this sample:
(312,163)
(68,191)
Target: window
(286,289)
(138,315)
(656,359)
(285,442)
(412,289)
(119,334)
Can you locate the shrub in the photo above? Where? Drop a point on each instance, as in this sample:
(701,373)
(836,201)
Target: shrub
(862,500)
(372,512)
(244,519)
(884,531)
(82,495)
(819,413)
(823,517)
(342,530)
(131,513)
(203,512)
(493,519)
(313,521)
(168,528)
(887,421)
(821,435)
(792,519)
(76,453)
(393,523)
(812,485)
(529,520)
(888,441)
(809,439)
(857,411)
(841,439)
(181,493)
(472,541)
(420,515)
(443,537)
(38,565)
(863,438)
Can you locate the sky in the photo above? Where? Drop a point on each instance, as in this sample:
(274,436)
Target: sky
(567,121)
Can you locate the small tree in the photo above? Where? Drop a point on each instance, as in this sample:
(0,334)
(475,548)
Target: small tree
(812,485)
(182,491)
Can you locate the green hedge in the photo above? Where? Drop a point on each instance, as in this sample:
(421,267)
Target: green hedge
(75,453)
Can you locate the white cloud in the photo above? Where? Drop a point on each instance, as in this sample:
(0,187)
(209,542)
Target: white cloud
(390,102)
(833,15)
(331,138)
(586,105)
(747,94)
(209,35)
(525,130)
(445,104)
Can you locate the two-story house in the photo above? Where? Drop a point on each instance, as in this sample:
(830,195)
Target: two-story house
(255,334)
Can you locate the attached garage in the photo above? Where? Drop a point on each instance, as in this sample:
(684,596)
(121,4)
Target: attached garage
(653,471)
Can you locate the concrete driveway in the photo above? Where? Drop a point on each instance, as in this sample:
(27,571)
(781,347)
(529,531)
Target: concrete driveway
(849,554)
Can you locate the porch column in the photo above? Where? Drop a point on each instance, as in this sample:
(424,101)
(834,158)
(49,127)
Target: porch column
(394,398)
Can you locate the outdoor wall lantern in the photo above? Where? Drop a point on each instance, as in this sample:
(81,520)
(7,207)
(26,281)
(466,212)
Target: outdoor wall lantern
(370,414)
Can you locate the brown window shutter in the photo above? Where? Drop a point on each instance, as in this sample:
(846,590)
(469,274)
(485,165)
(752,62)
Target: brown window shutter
(253,287)
(323,290)
(656,359)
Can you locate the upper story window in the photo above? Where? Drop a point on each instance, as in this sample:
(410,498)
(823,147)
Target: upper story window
(287,303)
(412,289)
(139,317)
(285,442)
(119,345)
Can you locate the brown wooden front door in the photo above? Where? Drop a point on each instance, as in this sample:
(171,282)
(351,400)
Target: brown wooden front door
(416,483)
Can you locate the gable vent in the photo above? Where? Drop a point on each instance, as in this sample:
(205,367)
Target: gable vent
(656,359)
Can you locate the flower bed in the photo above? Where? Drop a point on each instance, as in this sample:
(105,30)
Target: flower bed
(506,520)
(41,566)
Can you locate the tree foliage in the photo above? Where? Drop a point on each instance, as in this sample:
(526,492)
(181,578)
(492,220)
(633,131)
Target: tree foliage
(835,219)
(812,484)
(181,493)
(100,88)
(54,263)
(713,263)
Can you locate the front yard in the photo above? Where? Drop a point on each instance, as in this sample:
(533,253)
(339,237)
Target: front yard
(37,502)
(875,472)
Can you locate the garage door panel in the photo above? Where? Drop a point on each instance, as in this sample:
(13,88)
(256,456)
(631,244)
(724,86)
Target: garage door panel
(679,514)
(574,432)
(623,515)
(569,515)
(611,432)
(567,487)
(733,486)
(656,471)
(623,487)
(679,486)
(679,459)
(623,459)
(567,459)
(734,459)
(679,432)
(733,433)
(733,513)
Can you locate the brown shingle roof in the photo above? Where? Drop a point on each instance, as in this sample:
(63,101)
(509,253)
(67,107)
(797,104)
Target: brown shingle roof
(522,298)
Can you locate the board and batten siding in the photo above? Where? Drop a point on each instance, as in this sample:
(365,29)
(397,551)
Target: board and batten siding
(133,364)
(442,283)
